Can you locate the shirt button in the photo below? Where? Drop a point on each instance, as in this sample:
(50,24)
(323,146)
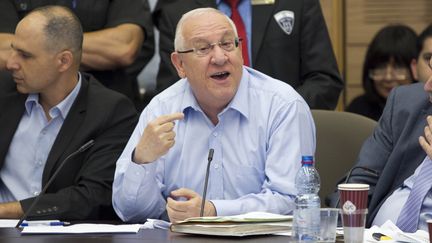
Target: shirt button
(35,193)
(216,166)
(215,134)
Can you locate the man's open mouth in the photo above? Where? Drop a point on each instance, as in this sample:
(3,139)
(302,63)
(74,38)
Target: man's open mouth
(220,75)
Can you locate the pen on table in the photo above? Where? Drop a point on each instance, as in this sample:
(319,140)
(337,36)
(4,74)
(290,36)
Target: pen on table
(54,223)
(380,237)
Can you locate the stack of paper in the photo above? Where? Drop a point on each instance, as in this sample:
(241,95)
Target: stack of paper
(255,223)
(8,223)
(396,235)
(82,228)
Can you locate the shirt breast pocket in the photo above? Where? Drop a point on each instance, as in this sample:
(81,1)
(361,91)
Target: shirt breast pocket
(247,178)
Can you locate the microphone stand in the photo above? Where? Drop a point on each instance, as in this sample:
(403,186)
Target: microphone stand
(80,150)
(210,158)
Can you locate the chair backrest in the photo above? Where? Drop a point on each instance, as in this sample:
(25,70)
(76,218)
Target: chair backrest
(340,136)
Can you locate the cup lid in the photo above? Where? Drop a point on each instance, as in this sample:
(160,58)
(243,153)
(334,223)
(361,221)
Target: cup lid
(353,186)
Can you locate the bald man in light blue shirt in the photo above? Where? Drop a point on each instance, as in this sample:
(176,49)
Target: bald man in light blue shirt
(259,128)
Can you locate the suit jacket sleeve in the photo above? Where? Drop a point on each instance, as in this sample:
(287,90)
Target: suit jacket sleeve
(321,83)
(375,152)
(82,189)
(134,12)
(8,17)
(167,74)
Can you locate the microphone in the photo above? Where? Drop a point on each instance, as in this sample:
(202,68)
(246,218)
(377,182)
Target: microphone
(210,158)
(80,150)
(366,169)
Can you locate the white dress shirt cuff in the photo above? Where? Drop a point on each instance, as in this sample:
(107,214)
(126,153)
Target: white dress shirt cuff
(227,207)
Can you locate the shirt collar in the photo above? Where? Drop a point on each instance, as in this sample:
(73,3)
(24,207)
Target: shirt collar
(31,101)
(220,1)
(61,108)
(189,100)
(238,103)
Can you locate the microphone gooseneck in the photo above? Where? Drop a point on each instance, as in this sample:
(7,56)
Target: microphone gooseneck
(210,158)
(366,169)
(80,150)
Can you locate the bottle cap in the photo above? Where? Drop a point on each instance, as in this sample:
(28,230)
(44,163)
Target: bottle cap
(307,160)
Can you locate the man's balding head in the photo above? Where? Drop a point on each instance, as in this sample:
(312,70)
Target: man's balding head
(62,29)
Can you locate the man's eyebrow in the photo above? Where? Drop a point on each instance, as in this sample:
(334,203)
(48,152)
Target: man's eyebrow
(198,39)
(201,39)
(20,50)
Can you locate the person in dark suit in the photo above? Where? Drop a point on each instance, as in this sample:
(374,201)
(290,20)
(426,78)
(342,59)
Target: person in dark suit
(118,38)
(296,49)
(51,112)
(400,146)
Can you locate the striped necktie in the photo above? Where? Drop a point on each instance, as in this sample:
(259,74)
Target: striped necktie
(409,217)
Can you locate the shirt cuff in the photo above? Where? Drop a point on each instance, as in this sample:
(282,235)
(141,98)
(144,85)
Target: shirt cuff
(227,207)
(137,175)
(136,172)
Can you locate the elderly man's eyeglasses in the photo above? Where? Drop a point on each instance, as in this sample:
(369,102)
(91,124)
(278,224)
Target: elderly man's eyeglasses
(397,74)
(204,48)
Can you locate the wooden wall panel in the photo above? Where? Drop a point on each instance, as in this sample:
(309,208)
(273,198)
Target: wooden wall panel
(333,15)
(354,72)
(332,12)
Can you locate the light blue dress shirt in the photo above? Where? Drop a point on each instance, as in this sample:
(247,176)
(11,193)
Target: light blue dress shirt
(245,10)
(258,144)
(393,205)
(21,175)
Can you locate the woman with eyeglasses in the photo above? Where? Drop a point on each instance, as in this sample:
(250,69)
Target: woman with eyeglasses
(387,65)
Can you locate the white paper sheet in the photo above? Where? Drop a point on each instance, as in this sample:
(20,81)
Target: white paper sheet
(82,229)
(156,224)
(391,230)
(8,223)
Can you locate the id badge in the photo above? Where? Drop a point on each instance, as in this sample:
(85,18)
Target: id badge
(262,2)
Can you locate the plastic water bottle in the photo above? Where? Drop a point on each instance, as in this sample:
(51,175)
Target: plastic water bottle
(306,225)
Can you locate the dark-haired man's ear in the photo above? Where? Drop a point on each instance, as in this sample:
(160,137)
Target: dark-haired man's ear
(65,61)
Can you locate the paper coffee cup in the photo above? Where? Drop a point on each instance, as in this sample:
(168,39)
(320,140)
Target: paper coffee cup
(353,196)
